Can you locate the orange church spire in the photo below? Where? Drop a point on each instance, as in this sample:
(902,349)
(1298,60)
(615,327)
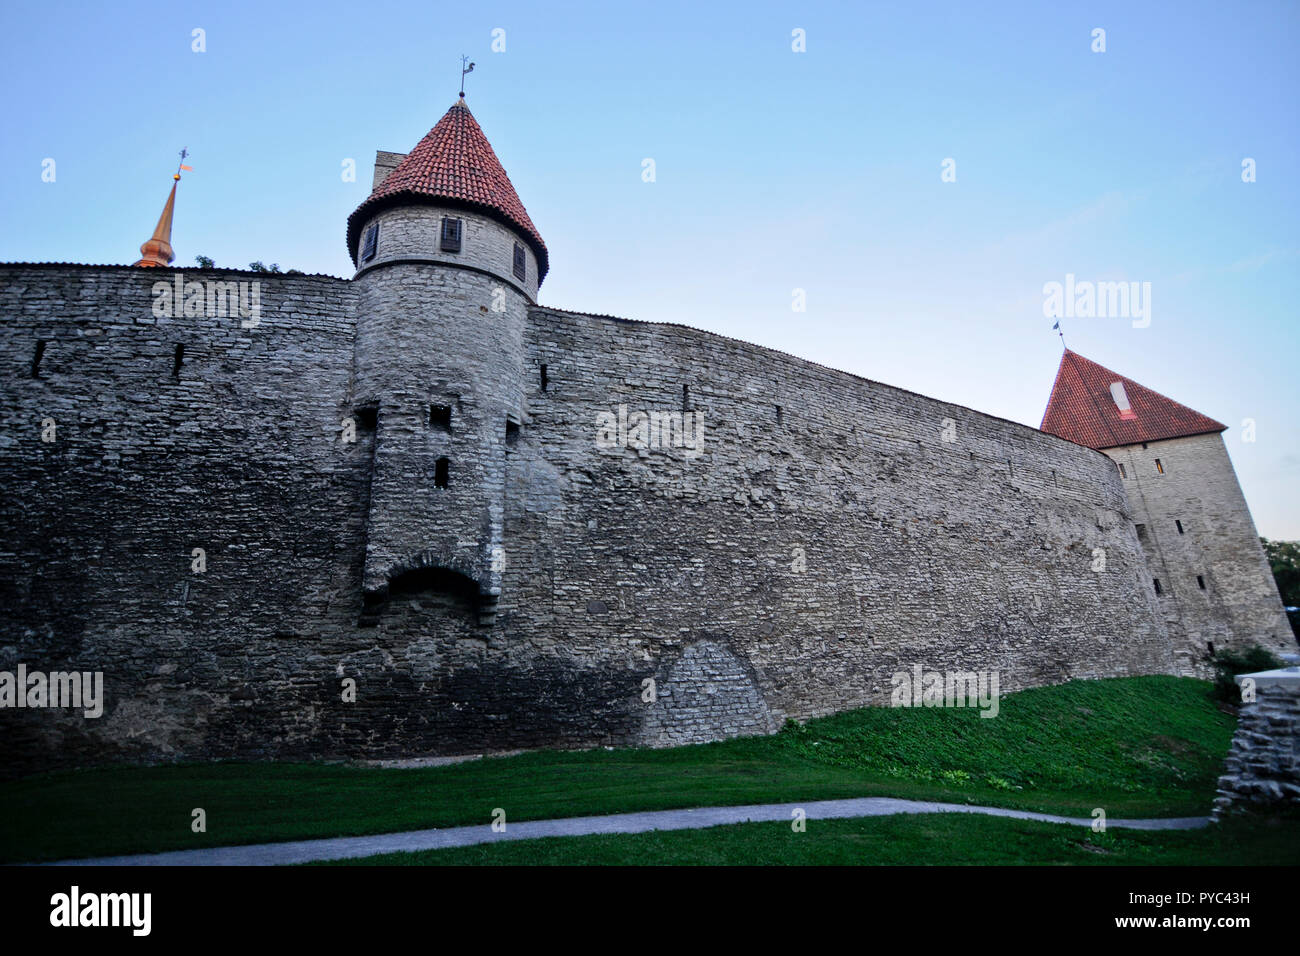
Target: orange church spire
(157,250)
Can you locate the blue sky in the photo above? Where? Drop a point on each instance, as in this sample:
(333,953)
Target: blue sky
(775,170)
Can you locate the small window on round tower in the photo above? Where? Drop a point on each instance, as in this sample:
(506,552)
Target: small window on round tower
(451,232)
(371,244)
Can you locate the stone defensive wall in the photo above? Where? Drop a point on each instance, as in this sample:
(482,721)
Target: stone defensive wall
(702,538)
(235,451)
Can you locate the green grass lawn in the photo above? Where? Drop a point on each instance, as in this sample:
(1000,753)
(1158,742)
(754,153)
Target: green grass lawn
(1148,746)
(928,839)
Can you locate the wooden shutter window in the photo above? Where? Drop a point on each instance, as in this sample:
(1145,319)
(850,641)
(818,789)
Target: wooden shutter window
(371,245)
(451,235)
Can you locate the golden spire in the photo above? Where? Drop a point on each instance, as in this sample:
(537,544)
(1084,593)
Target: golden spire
(157,250)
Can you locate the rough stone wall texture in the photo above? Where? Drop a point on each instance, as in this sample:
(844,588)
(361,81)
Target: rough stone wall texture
(705,694)
(385,163)
(412,232)
(238,454)
(974,554)
(824,536)
(429,334)
(1239,604)
(1263,767)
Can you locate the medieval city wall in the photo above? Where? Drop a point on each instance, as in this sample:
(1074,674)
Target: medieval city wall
(237,452)
(823,536)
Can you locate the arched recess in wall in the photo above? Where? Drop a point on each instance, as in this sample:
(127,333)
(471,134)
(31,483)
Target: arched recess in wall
(708,693)
(443,584)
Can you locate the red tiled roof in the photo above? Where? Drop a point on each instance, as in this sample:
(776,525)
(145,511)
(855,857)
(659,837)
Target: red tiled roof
(1082,409)
(454,162)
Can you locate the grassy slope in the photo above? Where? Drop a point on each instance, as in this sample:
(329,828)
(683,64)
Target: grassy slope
(1150,746)
(929,839)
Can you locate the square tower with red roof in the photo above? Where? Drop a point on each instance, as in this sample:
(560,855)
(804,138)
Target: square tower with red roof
(1212,581)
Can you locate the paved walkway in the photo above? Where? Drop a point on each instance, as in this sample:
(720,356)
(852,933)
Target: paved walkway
(340,848)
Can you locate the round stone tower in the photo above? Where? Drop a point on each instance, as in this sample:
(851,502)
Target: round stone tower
(448,263)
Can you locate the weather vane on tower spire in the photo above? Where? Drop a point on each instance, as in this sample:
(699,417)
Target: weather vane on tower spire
(463,70)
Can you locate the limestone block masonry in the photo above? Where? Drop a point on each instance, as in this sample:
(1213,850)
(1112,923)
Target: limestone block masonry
(1216,587)
(440,330)
(1262,771)
(823,535)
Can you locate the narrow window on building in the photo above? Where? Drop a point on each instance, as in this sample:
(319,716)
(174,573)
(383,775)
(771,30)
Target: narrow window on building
(1210,645)
(521,263)
(1122,472)
(1179,524)
(1156,581)
(367,417)
(778,414)
(512,432)
(686,398)
(1160,469)
(1142,532)
(371,245)
(1200,582)
(545,380)
(451,235)
(36,360)
(441,468)
(177,361)
(440,416)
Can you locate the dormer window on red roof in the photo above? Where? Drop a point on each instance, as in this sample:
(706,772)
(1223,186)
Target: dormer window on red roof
(1121,401)
(1091,405)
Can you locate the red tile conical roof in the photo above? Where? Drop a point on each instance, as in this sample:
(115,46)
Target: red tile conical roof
(455,165)
(1086,409)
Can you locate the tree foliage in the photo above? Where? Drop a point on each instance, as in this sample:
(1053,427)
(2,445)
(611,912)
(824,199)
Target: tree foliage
(1284,558)
(273,267)
(1229,663)
(206,263)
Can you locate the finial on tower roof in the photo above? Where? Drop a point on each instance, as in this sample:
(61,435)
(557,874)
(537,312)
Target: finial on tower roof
(463,70)
(157,249)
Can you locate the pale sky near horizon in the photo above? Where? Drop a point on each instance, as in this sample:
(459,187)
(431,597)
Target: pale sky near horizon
(775,170)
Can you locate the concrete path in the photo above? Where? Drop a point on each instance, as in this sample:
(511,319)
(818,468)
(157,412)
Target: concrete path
(340,848)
